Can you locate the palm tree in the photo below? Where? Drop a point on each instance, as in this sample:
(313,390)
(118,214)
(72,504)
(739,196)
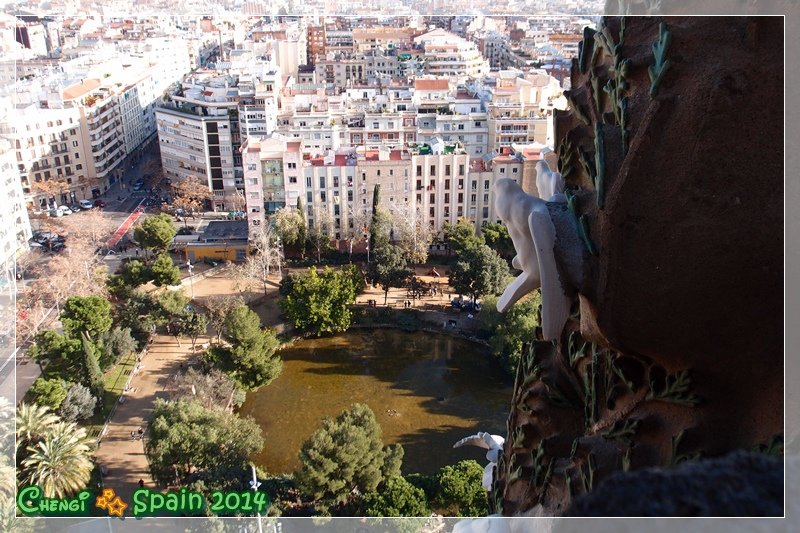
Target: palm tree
(33,422)
(61,464)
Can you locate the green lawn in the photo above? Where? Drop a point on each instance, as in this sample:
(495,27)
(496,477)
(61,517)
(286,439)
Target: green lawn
(115,380)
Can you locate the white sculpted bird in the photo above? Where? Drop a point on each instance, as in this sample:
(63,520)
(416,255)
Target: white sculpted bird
(493,443)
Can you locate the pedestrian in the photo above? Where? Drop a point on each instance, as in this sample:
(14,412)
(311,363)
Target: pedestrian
(141,483)
(141,432)
(137,252)
(132,436)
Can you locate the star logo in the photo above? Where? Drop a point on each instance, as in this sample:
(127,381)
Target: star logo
(117,507)
(110,502)
(102,501)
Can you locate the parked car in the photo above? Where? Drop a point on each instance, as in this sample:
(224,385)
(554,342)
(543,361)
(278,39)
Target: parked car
(100,203)
(65,211)
(75,208)
(43,237)
(138,185)
(53,212)
(86,204)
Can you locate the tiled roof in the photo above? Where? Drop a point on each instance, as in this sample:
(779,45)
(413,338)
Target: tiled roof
(431,85)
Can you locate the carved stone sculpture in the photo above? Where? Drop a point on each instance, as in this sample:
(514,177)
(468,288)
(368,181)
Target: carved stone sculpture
(533,233)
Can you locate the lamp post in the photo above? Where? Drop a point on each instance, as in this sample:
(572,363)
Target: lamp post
(367,253)
(254,484)
(191,281)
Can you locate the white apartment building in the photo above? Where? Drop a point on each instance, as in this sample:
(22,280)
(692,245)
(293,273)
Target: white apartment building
(15,227)
(451,56)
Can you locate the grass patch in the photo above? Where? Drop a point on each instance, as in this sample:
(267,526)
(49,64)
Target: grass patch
(114,381)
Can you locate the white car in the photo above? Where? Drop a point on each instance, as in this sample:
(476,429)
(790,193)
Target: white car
(64,210)
(86,204)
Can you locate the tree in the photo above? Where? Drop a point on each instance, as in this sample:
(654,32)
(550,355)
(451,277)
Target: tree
(186,437)
(346,453)
(33,422)
(61,462)
(115,344)
(218,308)
(193,325)
(462,236)
(155,233)
(265,255)
(211,388)
(388,269)
(89,314)
(498,239)
(163,271)
(319,303)
(58,354)
(413,233)
(130,275)
(190,194)
(358,226)
(49,392)
(381,223)
(479,271)
(396,497)
(461,489)
(90,230)
(290,224)
(79,403)
(319,235)
(93,376)
(173,303)
(507,332)
(141,313)
(251,360)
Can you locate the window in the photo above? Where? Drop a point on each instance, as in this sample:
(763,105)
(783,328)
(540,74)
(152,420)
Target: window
(433,169)
(309,198)
(77,155)
(322,182)
(461,198)
(379,173)
(446,184)
(461,126)
(461,173)
(78,167)
(336,181)
(447,170)
(308,181)
(291,165)
(485,185)
(477,123)
(474,184)
(433,198)
(350,195)
(473,198)
(252,167)
(419,170)
(391,172)
(502,170)
(322,196)
(75,144)
(514,170)
(292,179)
(375,125)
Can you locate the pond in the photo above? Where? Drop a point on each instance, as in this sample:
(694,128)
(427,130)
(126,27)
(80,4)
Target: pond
(427,391)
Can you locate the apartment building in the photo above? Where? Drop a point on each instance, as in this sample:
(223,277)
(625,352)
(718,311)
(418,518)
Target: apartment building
(448,55)
(15,227)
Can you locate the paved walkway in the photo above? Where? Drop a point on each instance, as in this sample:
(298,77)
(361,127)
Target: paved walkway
(122,456)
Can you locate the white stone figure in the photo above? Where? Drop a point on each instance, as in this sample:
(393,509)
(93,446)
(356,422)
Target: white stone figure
(533,234)
(493,443)
(549,183)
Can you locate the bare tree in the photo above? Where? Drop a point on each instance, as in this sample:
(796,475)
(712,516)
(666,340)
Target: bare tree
(266,255)
(411,232)
(219,307)
(319,235)
(190,193)
(90,228)
(357,227)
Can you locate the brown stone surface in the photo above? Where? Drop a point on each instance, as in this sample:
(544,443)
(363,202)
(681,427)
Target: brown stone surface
(689,273)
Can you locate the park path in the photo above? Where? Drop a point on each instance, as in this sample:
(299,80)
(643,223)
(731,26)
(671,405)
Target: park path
(122,456)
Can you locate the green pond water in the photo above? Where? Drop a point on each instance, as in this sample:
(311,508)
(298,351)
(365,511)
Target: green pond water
(427,392)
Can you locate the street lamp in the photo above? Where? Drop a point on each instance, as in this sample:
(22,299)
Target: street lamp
(191,282)
(367,253)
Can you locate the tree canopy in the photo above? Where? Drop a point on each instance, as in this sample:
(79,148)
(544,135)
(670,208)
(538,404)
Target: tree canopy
(461,236)
(388,268)
(251,359)
(346,453)
(319,302)
(90,314)
(508,331)
(461,489)
(163,271)
(155,232)
(396,497)
(498,239)
(188,437)
(479,271)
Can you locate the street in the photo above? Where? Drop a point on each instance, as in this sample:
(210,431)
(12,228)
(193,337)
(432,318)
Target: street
(121,201)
